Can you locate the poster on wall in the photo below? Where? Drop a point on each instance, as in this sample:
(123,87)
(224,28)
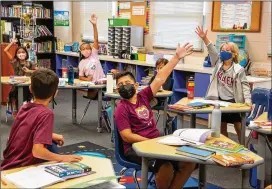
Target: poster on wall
(61,18)
(236,15)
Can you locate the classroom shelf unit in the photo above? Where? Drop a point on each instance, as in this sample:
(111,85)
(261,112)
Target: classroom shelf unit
(12,11)
(180,78)
(240,40)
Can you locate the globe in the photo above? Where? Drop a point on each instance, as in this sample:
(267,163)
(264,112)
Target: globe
(243,57)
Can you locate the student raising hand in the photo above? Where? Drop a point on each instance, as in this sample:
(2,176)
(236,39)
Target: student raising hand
(93,19)
(202,34)
(183,51)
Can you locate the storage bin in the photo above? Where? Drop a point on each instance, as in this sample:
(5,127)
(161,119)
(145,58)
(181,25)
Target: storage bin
(141,56)
(67,48)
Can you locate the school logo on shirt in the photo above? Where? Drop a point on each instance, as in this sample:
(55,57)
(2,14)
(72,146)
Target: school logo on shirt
(142,112)
(224,79)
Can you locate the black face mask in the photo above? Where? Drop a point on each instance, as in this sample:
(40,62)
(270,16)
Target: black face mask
(127,91)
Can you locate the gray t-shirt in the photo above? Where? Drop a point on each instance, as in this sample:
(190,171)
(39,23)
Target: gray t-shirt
(225,83)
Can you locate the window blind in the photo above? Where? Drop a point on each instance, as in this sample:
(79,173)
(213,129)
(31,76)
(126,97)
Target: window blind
(175,22)
(269,34)
(103,10)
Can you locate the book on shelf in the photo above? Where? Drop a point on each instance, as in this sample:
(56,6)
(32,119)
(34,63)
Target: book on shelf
(63,170)
(233,159)
(195,152)
(44,63)
(186,137)
(44,47)
(16,11)
(222,145)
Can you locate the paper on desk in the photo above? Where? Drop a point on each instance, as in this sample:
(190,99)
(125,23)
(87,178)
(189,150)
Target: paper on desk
(213,102)
(177,141)
(34,177)
(85,83)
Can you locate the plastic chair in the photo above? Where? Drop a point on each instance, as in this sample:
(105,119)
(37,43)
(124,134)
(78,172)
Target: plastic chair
(159,108)
(104,111)
(259,97)
(121,159)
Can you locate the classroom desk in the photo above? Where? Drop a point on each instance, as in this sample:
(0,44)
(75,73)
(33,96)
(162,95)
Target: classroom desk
(74,88)
(102,166)
(162,94)
(230,109)
(152,149)
(261,150)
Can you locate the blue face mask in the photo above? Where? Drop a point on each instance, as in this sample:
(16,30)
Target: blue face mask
(225,55)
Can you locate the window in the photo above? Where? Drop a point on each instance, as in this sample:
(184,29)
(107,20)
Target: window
(103,10)
(175,22)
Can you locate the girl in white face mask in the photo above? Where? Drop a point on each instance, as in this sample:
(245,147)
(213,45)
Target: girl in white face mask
(21,67)
(20,63)
(90,68)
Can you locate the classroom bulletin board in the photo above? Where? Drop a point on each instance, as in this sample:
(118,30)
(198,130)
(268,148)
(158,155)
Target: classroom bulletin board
(133,11)
(232,16)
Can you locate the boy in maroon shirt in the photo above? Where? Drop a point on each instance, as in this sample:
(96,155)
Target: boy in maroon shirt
(135,122)
(32,134)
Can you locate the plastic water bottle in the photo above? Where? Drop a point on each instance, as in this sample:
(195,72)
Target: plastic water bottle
(269,110)
(216,121)
(109,82)
(71,75)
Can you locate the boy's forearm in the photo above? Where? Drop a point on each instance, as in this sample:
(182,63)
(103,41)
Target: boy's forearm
(39,151)
(136,138)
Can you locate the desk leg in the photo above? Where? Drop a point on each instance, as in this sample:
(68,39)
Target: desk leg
(20,97)
(99,128)
(202,176)
(243,129)
(144,172)
(166,130)
(180,121)
(74,106)
(261,152)
(193,121)
(112,120)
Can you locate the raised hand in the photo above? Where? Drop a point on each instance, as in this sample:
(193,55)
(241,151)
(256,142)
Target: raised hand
(93,19)
(183,51)
(14,40)
(201,33)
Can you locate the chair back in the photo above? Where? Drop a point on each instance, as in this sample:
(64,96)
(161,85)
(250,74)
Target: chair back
(119,151)
(259,97)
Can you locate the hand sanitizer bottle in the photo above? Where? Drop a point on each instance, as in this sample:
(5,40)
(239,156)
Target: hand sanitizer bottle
(216,121)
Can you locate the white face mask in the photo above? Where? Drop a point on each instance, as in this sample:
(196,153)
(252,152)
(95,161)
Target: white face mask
(21,56)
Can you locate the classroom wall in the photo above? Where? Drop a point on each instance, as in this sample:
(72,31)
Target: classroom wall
(257,43)
(64,32)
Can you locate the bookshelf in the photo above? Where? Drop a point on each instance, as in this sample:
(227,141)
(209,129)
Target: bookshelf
(44,40)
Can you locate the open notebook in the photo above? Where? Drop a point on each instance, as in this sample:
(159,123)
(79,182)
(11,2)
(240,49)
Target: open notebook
(186,137)
(34,177)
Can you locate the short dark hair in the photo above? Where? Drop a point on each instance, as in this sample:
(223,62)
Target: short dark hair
(16,51)
(44,83)
(161,61)
(125,73)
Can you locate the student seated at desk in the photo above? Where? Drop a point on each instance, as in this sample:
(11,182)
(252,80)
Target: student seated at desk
(228,81)
(31,136)
(21,67)
(90,68)
(135,122)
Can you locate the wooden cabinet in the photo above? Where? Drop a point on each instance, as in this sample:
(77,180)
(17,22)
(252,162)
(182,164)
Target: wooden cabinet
(6,70)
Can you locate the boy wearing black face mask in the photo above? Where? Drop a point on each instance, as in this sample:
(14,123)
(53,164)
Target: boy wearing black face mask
(135,122)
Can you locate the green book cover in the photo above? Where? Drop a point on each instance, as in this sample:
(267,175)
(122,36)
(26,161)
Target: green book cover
(224,146)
